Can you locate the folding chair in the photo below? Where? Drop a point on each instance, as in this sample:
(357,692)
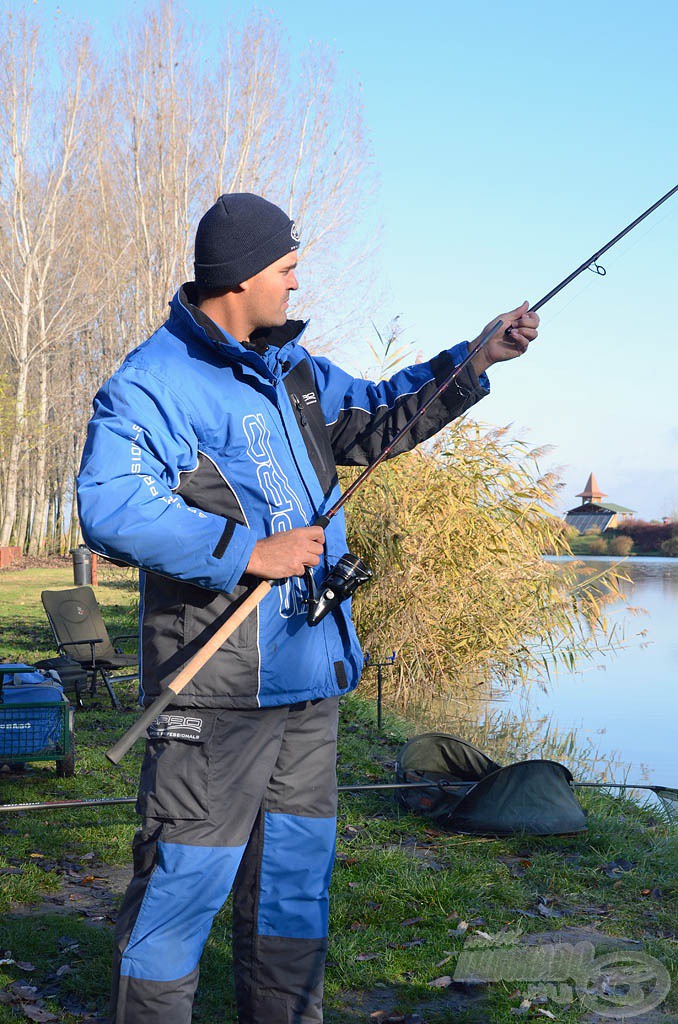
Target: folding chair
(79,631)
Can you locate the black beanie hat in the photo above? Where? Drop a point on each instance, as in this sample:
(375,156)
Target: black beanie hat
(239,236)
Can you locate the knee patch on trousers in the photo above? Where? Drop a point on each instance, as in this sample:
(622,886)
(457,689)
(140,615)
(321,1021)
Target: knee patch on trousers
(296,867)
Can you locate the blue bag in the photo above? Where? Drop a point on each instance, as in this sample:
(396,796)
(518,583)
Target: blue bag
(31,712)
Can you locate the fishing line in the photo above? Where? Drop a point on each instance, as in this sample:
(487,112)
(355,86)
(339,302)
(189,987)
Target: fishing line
(611,263)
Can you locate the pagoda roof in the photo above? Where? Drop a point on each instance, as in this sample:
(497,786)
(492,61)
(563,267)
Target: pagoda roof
(592,490)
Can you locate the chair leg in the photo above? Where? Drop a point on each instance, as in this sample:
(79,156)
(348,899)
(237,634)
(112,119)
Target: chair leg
(93,682)
(111,692)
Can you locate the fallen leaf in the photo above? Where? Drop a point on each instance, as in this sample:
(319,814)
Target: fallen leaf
(617,867)
(25,966)
(28,992)
(461,929)
(443,982)
(411,920)
(350,833)
(67,945)
(517,865)
(366,956)
(545,909)
(357,926)
(38,1013)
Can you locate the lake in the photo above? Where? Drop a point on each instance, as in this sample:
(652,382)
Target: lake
(626,704)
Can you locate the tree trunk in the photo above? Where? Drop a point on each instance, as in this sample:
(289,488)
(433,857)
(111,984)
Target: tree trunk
(37,541)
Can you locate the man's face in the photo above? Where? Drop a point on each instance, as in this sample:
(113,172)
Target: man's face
(267,293)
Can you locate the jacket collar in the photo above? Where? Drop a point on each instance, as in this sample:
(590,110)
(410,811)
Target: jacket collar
(275,343)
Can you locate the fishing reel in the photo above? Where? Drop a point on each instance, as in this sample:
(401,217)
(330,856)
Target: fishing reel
(341,582)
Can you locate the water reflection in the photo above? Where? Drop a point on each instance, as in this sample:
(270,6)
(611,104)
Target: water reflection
(618,713)
(626,703)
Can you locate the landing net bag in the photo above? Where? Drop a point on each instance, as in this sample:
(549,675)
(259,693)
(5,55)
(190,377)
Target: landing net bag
(472,793)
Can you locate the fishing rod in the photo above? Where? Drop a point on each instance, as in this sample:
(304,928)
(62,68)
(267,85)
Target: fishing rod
(350,571)
(665,793)
(592,262)
(56,805)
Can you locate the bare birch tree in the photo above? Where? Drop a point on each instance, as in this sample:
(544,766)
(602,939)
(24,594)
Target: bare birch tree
(299,140)
(44,162)
(103,176)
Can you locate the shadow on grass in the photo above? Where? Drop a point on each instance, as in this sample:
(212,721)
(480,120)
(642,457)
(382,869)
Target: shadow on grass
(17,634)
(130,586)
(65,958)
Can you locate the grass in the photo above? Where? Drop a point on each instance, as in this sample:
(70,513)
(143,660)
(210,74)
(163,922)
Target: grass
(581,545)
(406,897)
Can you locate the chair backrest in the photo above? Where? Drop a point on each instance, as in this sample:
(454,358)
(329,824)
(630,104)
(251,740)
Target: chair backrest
(74,615)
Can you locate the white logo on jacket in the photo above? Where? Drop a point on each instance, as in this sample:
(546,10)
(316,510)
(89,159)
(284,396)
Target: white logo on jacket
(280,498)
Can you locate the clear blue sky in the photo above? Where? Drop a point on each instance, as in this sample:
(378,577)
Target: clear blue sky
(512,140)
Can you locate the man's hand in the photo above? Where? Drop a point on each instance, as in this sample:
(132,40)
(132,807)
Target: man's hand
(502,345)
(287,553)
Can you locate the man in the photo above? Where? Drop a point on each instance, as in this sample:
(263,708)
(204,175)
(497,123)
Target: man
(210,452)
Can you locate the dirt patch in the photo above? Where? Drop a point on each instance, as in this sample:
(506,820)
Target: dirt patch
(93,894)
(35,562)
(382,1006)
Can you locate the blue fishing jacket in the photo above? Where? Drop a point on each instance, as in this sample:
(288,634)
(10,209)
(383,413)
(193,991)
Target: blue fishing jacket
(199,447)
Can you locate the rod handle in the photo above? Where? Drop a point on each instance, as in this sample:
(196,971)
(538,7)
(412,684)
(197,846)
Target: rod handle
(137,730)
(190,669)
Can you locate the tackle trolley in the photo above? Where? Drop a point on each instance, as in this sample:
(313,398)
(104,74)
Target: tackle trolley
(36,719)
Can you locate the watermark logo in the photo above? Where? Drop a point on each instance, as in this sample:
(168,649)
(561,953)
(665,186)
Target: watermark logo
(620,984)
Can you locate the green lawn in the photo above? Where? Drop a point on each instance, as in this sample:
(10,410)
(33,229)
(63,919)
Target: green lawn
(406,897)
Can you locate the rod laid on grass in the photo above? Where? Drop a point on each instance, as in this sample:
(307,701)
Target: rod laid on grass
(119,749)
(665,793)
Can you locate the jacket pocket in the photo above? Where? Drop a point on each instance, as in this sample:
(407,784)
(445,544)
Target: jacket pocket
(205,608)
(174,783)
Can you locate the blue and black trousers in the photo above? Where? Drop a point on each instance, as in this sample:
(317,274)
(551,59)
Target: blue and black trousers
(242,800)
